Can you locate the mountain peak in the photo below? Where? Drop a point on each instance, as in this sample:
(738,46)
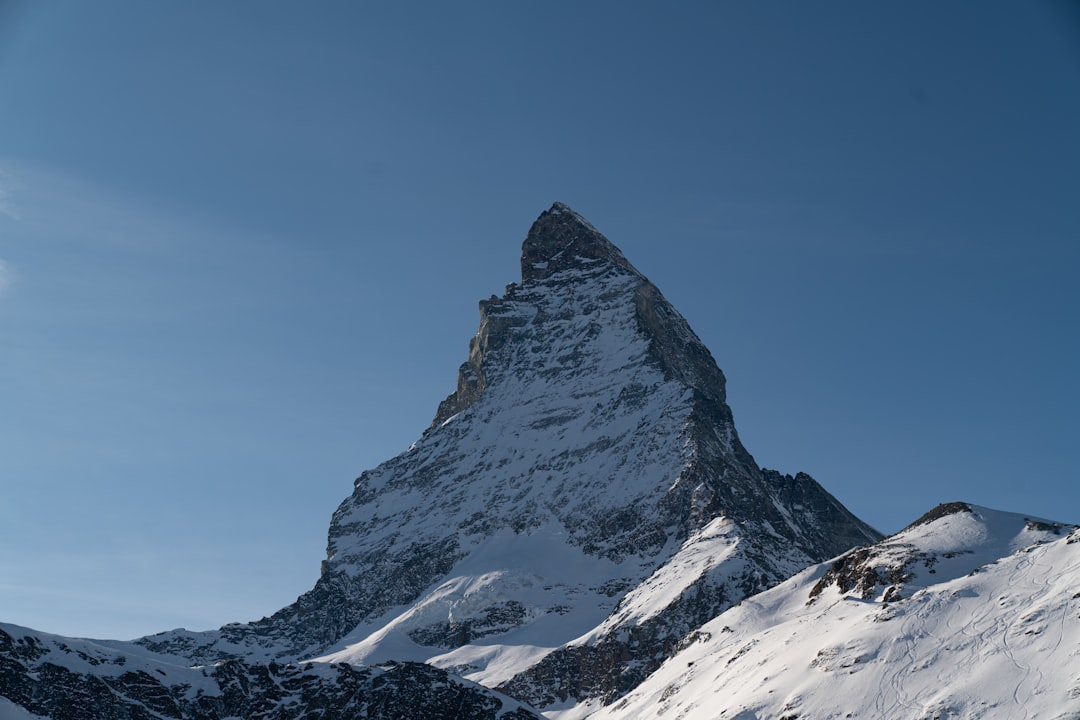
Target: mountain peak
(582,500)
(561,239)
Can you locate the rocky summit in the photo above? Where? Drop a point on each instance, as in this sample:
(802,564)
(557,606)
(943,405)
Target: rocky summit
(579,506)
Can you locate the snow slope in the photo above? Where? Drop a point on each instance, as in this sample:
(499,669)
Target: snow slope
(985,623)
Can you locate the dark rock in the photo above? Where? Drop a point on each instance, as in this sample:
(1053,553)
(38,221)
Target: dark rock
(942,510)
(559,240)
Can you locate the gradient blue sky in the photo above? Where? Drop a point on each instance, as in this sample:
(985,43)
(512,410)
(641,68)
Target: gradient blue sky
(242,243)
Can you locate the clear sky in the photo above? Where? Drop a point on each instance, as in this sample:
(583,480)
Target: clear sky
(242,243)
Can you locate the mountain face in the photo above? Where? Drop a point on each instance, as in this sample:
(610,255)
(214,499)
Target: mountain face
(579,504)
(967,613)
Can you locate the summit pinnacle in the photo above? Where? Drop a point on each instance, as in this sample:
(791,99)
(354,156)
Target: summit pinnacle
(561,239)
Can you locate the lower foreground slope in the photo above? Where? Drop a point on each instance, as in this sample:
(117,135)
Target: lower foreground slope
(968,613)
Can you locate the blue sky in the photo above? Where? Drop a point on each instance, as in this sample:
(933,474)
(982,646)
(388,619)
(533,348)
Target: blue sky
(241,247)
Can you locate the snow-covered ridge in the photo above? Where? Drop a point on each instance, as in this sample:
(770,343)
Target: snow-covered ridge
(951,540)
(991,631)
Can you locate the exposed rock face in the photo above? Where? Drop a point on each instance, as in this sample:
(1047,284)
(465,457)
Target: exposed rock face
(562,240)
(579,505)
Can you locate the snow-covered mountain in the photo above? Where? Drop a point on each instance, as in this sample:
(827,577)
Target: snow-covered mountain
(578,505)
(967,613)
(581,529)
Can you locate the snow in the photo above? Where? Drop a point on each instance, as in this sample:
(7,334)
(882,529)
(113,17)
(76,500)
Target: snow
(11,711)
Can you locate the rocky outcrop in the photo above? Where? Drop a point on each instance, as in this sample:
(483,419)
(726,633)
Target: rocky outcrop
(76,680)
(950,534)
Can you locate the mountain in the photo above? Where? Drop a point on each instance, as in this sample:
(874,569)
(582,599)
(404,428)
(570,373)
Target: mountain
(578,505)
(966,613)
